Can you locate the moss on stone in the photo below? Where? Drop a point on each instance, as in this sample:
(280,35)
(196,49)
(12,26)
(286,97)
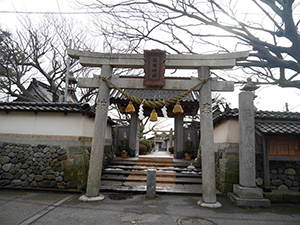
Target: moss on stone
(229,176)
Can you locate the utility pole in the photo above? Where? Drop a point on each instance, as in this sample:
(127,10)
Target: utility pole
(67,73)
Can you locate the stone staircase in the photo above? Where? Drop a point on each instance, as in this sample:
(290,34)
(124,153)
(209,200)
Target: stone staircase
(172,176)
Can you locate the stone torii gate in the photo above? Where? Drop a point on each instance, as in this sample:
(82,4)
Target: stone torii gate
(203,63)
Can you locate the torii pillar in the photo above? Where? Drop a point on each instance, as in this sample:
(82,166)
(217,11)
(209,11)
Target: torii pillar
(207,146)
(96,159)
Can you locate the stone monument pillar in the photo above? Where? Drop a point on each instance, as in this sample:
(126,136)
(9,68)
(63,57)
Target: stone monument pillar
(151,183)
(246,193)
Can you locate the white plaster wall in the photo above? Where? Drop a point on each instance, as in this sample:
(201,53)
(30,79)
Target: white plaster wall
(43,123)
(227,132)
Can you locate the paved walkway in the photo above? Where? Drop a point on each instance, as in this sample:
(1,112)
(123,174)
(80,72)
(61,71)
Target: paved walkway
(158,154)
(23,207)
(164,178)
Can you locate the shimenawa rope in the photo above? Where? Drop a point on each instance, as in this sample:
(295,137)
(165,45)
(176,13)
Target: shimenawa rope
(154,104)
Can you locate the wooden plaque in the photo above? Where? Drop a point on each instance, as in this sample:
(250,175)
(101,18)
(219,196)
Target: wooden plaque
(154,68)
(284,145)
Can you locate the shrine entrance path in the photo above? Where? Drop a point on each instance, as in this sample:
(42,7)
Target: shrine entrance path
(173,175)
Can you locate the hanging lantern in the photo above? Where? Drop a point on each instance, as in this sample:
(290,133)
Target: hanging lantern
(130,108)
(177,108)
(153,115)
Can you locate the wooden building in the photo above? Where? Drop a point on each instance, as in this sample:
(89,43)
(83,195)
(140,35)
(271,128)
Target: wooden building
(277,147)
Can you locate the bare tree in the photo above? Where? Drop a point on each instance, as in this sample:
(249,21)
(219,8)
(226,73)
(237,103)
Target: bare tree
(39,51)
(11,72)
(268,28)
(146,126)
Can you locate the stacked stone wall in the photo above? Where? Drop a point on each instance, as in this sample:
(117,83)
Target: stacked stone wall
(45,166)
(285,174)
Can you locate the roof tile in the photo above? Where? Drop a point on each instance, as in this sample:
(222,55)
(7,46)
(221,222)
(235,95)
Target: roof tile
(269,121)
(45,107)
(153,95)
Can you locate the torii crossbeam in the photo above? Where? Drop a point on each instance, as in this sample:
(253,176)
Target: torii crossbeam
(203,63)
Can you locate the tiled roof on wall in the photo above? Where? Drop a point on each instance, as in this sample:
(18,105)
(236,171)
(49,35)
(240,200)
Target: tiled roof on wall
(269,121)
(47,107)
(278,128)
(265,115)
(277,115)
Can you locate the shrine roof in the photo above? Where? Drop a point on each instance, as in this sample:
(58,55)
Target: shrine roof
(153,95)
(189,103)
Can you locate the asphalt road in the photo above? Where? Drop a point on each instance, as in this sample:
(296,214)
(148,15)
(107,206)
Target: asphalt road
(23,207)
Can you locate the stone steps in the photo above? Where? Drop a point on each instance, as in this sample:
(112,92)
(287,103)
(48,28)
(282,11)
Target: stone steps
(172,176)
(127,172)
(159,179)
(132,161)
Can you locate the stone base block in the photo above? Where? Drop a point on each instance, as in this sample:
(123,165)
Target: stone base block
(209,205)
(283,196)
(247,192)
(85,198)
(262,202)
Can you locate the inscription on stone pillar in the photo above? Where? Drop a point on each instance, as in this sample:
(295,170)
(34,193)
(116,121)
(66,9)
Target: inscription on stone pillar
(102,103)
(247,139)
(206,109)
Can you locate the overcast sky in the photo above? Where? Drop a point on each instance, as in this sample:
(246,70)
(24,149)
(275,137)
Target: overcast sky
(268,97)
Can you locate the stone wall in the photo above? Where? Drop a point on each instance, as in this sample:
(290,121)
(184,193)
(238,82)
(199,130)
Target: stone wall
(108,155)
(45,166)
(227,162)
(285,174)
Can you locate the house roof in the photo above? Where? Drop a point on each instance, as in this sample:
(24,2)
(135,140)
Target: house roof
(269,122)
(41,92)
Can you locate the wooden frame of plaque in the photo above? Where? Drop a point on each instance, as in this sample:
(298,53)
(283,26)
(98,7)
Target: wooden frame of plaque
(154,68)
